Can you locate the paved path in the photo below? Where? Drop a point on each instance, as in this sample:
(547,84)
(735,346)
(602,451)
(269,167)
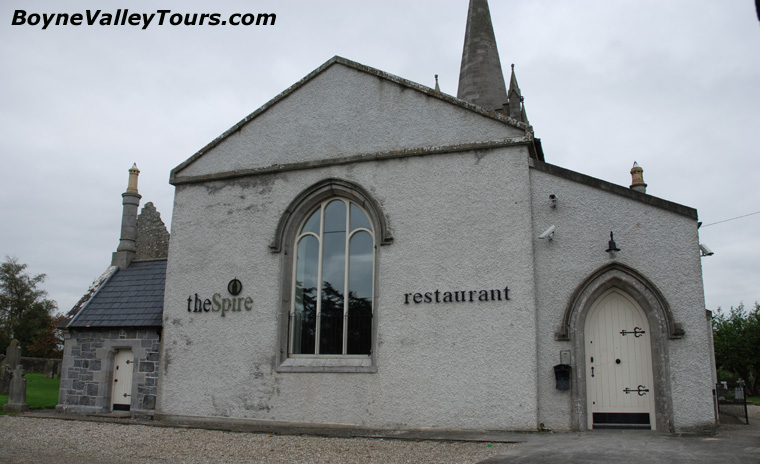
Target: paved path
(106,440)
(734,443)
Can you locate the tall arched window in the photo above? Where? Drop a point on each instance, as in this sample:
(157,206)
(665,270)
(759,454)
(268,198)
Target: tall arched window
(333,279)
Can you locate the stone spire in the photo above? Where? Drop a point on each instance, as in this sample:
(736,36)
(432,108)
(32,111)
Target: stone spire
(481,80)
(516,103)
(125,253)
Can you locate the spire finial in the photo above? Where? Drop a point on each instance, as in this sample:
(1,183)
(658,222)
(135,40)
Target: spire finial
(481,80)
(437,87)
(516,107)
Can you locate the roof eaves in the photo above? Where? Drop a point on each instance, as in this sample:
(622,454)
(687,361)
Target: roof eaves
(599,184)
(99,284)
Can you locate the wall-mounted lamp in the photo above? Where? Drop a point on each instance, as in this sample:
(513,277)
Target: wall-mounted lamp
(548,233)
(705,250)
(612,246)
(553,199)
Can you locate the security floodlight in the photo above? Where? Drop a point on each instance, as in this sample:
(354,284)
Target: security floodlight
(548,233)
(705,250)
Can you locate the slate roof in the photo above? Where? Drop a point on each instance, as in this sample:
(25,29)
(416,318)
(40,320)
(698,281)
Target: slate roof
(131,297)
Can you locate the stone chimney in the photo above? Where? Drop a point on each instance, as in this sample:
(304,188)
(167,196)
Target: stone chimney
(127,249)
(637,178)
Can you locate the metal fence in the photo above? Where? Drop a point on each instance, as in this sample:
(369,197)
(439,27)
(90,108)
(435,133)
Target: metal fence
(732,400)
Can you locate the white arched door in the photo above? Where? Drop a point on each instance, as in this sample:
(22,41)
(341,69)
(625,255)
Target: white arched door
(619,379)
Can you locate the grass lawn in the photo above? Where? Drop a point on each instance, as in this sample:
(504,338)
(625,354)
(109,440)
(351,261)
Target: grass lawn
(754,399)
(41,393)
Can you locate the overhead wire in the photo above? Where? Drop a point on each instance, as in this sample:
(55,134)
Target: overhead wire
(732,219)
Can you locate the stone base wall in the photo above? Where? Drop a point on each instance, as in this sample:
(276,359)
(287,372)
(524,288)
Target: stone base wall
(47,366)
(87,371)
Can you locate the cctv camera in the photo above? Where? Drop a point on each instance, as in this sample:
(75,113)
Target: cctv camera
(706,251)
(548,233)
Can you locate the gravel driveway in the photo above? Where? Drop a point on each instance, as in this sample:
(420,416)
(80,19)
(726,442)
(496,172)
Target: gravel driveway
(29,439)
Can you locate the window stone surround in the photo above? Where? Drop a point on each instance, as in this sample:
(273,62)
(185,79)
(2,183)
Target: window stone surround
(283,243)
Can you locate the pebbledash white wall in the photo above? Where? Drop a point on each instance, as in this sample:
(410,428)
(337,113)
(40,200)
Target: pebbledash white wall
(661,245)
(467,366)
(461,219)
(341,111)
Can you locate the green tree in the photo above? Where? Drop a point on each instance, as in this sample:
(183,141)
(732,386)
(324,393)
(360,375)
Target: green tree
(25,312)
(49,342)
(737,344)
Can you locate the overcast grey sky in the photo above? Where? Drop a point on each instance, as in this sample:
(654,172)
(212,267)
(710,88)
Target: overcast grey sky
(671,84)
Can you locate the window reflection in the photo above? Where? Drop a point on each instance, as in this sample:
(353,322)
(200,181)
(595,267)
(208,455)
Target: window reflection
(359,220)
(333,279)
(323,321)
(361,249)
(313,224)
(305,301)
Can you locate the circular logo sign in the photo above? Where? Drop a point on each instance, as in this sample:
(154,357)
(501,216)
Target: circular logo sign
(235,287)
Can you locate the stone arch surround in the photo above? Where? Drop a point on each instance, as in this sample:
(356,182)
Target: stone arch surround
(297,212)
(661,323)
(314,195)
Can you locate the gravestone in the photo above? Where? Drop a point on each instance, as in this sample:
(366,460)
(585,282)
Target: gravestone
(17,395)
(12,359)
(5,379)
(13,354)
(50,368)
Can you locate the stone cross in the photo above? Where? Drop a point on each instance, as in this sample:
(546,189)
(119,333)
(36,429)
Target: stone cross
(17,396)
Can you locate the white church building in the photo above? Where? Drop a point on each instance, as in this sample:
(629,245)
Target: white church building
(369,252)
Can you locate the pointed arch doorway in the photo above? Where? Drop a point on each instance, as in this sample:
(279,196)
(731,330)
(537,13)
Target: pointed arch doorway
(662,329)
(619,378)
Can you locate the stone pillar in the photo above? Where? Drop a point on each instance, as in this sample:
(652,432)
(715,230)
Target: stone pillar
(12,359)
(17,395)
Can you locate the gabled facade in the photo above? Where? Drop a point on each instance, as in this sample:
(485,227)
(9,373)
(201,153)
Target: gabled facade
(367,251)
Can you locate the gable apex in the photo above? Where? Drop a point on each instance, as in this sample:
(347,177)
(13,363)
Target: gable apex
(340,61)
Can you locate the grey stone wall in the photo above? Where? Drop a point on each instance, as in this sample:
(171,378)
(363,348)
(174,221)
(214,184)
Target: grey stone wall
(152,237)
(38,365)
(87,372)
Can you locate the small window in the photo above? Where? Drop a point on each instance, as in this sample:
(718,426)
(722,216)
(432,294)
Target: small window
(333,282)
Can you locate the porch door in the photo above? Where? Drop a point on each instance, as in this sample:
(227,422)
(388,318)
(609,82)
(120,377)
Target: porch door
(619,375)
(121,392)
